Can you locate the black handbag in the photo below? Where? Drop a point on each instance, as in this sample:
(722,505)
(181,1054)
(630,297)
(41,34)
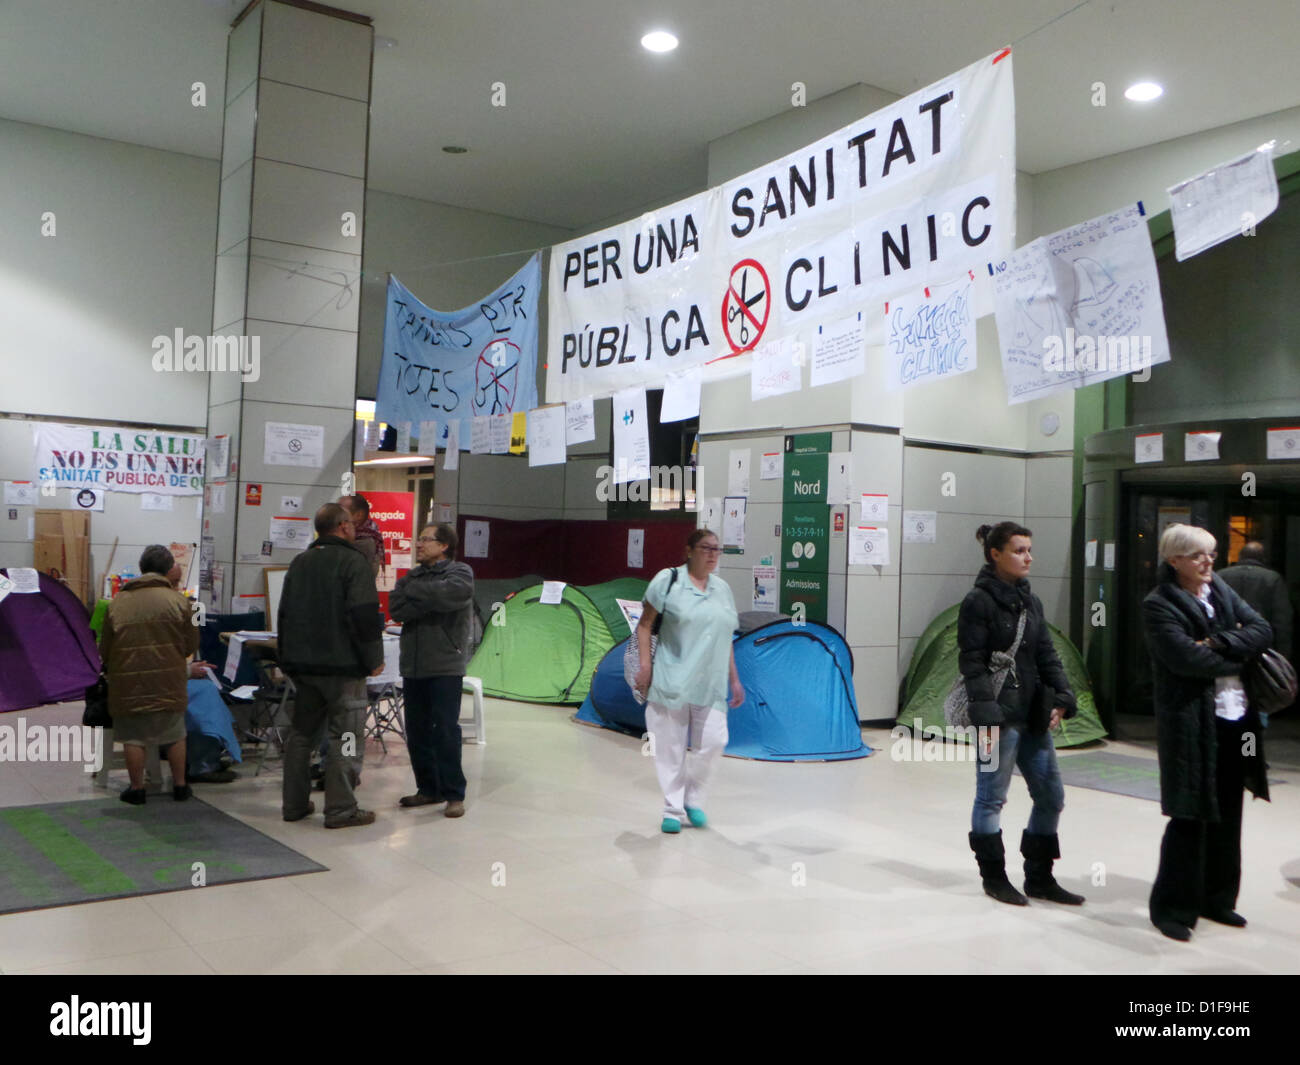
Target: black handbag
(1270,682)
(96,713)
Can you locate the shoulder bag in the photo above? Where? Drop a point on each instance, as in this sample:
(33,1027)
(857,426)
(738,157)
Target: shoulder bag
(632,652)
(956,706)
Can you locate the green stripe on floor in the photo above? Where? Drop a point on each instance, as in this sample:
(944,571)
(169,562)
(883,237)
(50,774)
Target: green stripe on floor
(91,872)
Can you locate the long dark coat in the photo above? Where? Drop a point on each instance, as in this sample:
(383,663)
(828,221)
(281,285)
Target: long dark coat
(1183,672)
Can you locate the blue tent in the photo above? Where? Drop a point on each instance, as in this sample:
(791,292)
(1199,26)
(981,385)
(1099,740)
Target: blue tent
(799,704)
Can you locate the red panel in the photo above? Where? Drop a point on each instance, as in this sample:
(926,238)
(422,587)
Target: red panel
(580,552)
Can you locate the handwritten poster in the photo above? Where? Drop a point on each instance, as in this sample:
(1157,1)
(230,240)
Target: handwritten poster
(546,436)
(480,436)
(775,369)
(1224,202)
(579,420)
(428,437)
(451,460)
(930,336)
(839,351)
(499,426)
(1079,306)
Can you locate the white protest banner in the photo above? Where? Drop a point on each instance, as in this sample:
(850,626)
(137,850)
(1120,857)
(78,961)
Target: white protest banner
(930,336)
(1080,306)
(917,192)
(119,460)
(1222,203)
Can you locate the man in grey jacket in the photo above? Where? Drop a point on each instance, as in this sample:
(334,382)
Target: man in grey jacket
(434,604)
(1264,589)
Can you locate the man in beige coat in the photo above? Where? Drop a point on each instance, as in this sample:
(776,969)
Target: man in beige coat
(148,635)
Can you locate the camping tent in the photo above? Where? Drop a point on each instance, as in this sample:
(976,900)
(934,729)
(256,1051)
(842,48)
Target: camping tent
(487,593)
(546,653)
(934,666)
(47,651)
(799,703)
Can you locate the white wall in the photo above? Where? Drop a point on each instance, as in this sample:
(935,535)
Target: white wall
(132,259)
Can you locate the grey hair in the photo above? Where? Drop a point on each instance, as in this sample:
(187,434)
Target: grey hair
(1179,539)
(156,559)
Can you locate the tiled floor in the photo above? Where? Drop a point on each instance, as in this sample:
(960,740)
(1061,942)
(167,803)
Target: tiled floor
(559,867)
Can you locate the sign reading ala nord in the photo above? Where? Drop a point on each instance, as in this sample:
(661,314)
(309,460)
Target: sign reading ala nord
(915,194)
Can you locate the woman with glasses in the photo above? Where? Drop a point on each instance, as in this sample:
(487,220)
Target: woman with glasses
(1201,634)
(692,679)
(434,602)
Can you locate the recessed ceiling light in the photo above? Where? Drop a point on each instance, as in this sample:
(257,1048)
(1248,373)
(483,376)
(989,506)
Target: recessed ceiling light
(659,41)
(454,149)
(1144,91)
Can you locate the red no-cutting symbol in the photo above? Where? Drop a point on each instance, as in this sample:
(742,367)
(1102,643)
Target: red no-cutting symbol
(746,306)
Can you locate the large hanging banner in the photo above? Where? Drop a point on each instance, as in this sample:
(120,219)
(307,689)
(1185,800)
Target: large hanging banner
(921,192)
(119,460)
(451,366)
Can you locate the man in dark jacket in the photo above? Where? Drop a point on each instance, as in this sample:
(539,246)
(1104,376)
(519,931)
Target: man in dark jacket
(434,603)
(330,636)
(1264,589)
(1209,740)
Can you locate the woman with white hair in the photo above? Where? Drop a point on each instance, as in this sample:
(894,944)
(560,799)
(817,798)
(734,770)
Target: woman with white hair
(1201,635)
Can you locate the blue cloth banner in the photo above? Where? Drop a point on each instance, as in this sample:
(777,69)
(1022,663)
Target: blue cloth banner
(448,366)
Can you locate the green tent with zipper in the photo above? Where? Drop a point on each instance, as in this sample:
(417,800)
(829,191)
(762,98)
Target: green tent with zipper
(934,667)
(539,652)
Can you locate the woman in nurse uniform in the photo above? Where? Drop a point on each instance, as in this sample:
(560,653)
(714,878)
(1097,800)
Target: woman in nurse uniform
(692,679)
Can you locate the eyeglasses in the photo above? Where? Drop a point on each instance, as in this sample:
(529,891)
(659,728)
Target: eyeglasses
(708,550)
(429,540)
(1202,556)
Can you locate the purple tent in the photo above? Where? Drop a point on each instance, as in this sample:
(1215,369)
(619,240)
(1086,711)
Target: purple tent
(47,651)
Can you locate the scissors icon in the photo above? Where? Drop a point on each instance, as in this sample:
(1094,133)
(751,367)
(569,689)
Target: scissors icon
(740,310)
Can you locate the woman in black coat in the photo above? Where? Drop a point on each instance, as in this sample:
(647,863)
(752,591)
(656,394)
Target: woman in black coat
(1017,722)
(1201,634)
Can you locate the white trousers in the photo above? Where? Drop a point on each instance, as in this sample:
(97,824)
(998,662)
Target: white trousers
(686,744)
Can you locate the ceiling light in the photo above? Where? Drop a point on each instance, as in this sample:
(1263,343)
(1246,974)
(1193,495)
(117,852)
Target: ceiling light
(385,42)
(400,460)
(454,149)
(659,41)
(1144,91)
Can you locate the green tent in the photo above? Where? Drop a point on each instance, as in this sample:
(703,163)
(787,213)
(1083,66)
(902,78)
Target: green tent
(934,666)
(546,653)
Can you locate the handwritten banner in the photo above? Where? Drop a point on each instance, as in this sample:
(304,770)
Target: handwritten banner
(451,366)
(930,337)
(915,194)
(119,460)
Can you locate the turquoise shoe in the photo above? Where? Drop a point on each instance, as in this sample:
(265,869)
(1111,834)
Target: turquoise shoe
(671,825)
(698,820)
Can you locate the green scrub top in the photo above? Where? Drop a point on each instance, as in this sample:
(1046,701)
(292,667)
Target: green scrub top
(692,662)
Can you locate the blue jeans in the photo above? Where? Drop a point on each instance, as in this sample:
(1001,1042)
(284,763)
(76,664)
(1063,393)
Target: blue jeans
(1036,757)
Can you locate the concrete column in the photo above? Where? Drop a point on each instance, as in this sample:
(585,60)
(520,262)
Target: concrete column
(288,267)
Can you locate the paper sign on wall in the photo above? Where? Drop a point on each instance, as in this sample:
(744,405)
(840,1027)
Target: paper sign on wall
(631,436)
(771,465)
(291,504)
(636,549)
(217,493)
(1201,447)
(681,396)
(711,513)
(518,432)
(579,420)
(738,472)
(1090,553)
(546,436)
(499,430)
(1284,443)
(733,521)
(217,451)
(839,477)
(290,444)
(869,545)
(480,436)
(293,533)
(920,526)
(1149,447)
(476,539)
(839,351)
(766,589)
(403,444)
(428,437)
(451,460)
(1222,203)
(875,508)
(155,501)
(1110,555)
(775,369)
(86,498)
(20,493)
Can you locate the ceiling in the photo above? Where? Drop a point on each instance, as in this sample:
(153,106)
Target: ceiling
(595,127)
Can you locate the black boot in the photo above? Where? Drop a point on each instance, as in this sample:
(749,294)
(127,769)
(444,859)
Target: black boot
(1040,852)
(992,859)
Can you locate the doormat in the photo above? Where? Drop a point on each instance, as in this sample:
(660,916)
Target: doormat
(64,853)
(1122,774)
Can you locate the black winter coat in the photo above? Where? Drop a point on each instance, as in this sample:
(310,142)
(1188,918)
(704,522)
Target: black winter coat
(329,621)
(986,623)
(1183,672)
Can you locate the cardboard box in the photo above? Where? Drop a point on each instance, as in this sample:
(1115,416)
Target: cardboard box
(62,548)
